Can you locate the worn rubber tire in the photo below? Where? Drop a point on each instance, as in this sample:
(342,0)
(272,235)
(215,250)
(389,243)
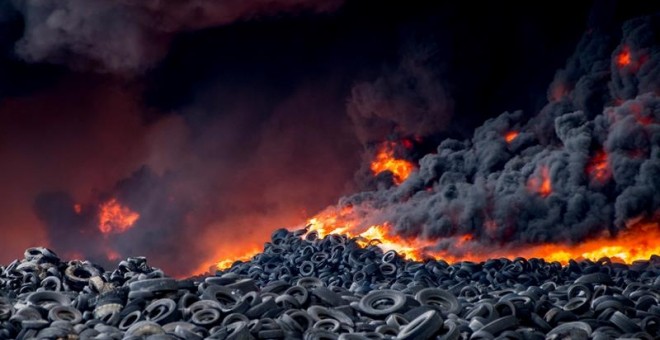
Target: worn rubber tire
(422,327)
(370,304)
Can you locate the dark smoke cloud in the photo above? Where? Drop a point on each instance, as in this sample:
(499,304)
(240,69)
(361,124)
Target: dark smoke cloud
(196,195)
(489,188)
(410,100)
(129,35)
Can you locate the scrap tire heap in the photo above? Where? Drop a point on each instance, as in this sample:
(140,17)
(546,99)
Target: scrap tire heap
(305,287)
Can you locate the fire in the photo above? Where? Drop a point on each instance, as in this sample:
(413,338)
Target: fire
(379,234)
(623,59)
(341,224)
(77,208)
(229,260)
(510,136)
(599,168)
(385,161)
(638,242)
(115,218)
(543,185)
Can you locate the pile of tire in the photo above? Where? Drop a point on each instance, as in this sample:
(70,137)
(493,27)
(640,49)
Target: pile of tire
(305,287)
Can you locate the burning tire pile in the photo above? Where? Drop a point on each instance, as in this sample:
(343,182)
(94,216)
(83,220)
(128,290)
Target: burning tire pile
(304,287)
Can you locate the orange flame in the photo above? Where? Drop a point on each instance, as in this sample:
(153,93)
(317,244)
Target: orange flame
(599,168)
(510,136)
(638,242)
(385,161)
(543,185)
(229,260)
(115,218)
(77,208)
(623,59)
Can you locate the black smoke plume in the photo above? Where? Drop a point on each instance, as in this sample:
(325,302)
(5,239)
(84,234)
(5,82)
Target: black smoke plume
(541,186)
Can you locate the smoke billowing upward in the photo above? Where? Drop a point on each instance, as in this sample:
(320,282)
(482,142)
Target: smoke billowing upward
(587,164)
(188,131)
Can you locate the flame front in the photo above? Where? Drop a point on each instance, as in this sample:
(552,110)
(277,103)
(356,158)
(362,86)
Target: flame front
(385,161)
(115,218)
(638,242)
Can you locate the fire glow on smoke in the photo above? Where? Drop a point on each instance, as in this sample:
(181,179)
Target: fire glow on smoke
(623,59)
(115,218)
(541,184)
(598,168)
(510,136)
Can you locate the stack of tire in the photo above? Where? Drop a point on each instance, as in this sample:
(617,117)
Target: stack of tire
(305,287)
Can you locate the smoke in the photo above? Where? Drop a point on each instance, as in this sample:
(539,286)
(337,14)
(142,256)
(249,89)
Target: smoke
(410,100)
(199,197)
(541,186)
(129,36)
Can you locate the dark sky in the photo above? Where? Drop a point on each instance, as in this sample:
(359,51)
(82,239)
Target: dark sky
(222,122)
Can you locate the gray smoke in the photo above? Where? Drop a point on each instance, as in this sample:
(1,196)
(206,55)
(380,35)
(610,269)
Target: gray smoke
(491,189)
(126,36)
(409,100)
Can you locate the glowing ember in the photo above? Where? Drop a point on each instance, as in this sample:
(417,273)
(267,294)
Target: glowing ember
(385,161)
(638,111)
(599,168)
(510,136)
(623,59)
(77,208)
(115,218)
(543,185)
